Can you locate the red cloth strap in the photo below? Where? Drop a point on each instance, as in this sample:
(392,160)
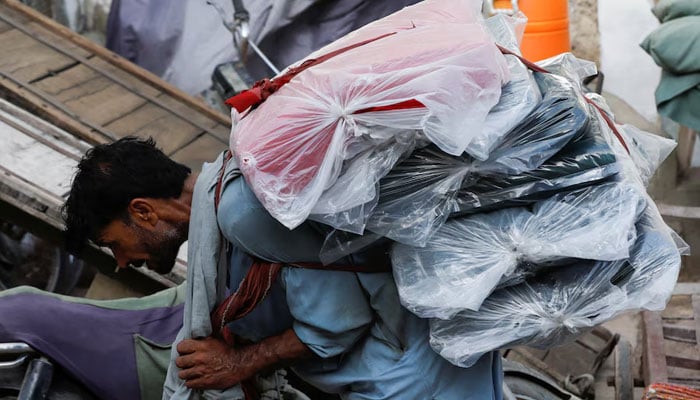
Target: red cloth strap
(537,68)
(262,89)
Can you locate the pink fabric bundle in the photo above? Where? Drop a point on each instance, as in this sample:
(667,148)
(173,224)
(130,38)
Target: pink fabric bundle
(322,140)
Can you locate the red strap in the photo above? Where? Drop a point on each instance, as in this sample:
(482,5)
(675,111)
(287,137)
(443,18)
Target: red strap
(605,116)
(266,87)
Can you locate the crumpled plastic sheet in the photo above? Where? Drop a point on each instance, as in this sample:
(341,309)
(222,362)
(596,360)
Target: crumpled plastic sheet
(293,146)
(467,258)
(553,307)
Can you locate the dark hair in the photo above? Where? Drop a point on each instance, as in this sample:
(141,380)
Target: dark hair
(109,176)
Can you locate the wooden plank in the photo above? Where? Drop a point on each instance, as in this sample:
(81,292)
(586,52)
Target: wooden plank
(116,60)
(19,95)
(98,100)
(686,145)
(169,132)
(27,59)
(204,149)
(669,210)
(654,353)
(28,159)
(4,27)
(686,288)
(220,131)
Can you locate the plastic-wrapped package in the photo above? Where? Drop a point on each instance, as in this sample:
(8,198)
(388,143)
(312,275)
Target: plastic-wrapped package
(519,96)
(582,162)
(467,257)
(555,306)
(431,67)
(417,195)
(561,117)
(647,150)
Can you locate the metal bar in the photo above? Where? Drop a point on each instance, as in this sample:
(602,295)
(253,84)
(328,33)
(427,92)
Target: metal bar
(653,352)
(15,348)
(14,364)
(106,74)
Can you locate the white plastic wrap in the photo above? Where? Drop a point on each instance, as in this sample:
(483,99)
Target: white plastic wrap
(467,258)
(418,194)
(520,95)
(293,146)
(554,307)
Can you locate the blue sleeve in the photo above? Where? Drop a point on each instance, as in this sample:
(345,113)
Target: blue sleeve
(330,309)
(248,226)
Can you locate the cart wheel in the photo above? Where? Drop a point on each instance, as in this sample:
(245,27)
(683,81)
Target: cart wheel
(624,382)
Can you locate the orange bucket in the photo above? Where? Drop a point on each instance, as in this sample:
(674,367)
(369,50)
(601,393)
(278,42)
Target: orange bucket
(547,29)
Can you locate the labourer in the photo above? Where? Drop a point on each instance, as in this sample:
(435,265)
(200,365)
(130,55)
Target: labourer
(343,332)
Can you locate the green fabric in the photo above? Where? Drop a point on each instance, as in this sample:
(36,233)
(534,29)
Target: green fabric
(152,360)
(165,298)
(667,10)
(675,45)
(678,98)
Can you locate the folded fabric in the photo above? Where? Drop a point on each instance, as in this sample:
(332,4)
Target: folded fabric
(583,162)
(554,307)
(466,259)
(431,68)
(417,195)
(675,45)
(666,10)
(518,98)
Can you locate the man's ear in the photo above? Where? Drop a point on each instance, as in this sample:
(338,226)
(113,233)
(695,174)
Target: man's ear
(143,212)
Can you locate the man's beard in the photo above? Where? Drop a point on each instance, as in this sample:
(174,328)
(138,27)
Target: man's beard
(163,248)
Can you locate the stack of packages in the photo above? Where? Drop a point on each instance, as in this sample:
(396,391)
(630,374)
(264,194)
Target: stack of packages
(518,210)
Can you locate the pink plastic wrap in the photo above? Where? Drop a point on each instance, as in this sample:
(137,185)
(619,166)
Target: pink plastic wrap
(432,71)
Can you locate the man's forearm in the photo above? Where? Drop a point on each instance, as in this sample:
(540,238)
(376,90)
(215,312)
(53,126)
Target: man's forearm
(275,351)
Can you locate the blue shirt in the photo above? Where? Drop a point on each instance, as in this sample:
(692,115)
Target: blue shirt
(367,345)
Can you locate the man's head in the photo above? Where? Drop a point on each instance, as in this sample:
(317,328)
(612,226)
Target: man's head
(126,196)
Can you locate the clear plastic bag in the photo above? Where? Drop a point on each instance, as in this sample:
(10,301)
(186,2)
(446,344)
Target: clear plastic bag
(583,162)
(562,116)
(519,96)
(468,257)
(553,307)
(293,146)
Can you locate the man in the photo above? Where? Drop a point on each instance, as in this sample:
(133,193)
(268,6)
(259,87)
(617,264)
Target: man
(343,332)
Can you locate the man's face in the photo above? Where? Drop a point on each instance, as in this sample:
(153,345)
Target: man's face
(132,244)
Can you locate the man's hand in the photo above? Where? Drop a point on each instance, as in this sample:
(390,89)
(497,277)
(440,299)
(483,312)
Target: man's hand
(211,364)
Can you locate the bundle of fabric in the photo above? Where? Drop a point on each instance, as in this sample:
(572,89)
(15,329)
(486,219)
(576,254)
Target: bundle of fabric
(675,47)
(469,257)
(513,283)
(431,146)
(430,70)
(554,306)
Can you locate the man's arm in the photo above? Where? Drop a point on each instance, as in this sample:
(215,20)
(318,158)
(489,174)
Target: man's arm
(211,364)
